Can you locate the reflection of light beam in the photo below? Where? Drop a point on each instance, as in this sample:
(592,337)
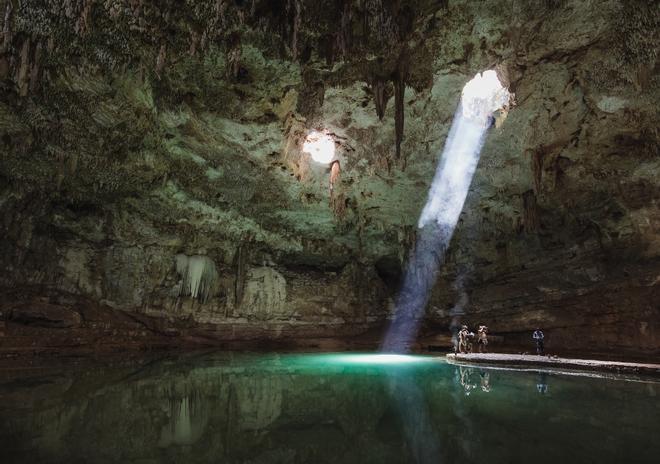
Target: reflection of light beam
(447,194)
(422,439)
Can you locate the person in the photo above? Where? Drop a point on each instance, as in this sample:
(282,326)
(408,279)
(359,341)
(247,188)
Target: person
(463,336)
(470,341)
(482,339)
(538,338)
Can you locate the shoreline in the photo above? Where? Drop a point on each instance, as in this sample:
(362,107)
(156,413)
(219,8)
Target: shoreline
(526,361)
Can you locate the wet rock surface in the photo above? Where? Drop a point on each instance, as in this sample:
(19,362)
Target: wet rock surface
(136,132)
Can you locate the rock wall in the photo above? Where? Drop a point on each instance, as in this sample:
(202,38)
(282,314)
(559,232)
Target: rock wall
(136,132)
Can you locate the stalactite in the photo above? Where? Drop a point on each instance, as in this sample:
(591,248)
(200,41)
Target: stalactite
(345,35)
(220,10)
(297,19)
(334,175)
(23,72)
(36,64)
(234,56)
(160,59)
(6,28)
(339,205)
(286,33)
(400,77)
(194,42)
(241,263)
(326,47)
(531,220)
(407,239)
(381,93)
(83,23)
(559,164)
(319,91)
(537,169)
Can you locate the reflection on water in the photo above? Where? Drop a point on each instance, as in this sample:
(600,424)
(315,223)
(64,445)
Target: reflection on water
(233,408)
(187,420)
(471,379)
(542,383)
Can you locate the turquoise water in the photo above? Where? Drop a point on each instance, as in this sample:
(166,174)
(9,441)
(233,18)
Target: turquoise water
(323,408)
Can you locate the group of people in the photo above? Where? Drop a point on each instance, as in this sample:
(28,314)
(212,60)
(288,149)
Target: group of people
(465,339)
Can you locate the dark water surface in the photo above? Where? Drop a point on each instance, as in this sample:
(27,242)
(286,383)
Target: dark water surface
(323,408)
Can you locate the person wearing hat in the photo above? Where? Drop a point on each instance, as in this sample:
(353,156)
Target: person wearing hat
(482,338)
(463,339)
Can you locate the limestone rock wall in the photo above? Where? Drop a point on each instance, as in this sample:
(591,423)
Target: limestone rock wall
(135,132)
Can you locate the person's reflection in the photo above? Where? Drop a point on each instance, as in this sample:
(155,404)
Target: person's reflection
(466,380)
(466,376)
(484,381)
(541,383)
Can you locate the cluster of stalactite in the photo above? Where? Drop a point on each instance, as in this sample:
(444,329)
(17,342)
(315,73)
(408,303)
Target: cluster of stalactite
(382,81)
(353,29)
(119,32)
(390,25)
(21,55)
(32,31)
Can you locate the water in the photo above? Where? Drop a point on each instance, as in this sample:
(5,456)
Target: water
(323,408)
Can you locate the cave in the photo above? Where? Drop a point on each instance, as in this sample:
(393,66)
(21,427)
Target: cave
(310,231)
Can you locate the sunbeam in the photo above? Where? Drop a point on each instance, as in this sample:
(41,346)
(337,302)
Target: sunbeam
(480,98)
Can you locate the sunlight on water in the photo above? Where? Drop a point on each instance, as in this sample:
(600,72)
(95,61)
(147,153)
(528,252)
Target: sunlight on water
(380,359)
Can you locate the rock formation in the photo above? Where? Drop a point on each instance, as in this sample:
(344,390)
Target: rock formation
(138,133)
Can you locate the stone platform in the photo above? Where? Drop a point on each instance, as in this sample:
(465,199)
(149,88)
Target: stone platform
(522,360)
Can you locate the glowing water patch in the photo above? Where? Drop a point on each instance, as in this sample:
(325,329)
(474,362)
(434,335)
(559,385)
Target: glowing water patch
(372,359)
(321,146)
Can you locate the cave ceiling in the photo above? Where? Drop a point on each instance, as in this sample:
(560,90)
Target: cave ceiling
(180,124)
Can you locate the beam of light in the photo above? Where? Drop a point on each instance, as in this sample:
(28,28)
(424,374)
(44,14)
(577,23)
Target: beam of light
(321,146)
(480,98)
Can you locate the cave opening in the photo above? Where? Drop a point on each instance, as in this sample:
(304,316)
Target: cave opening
(321,146)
